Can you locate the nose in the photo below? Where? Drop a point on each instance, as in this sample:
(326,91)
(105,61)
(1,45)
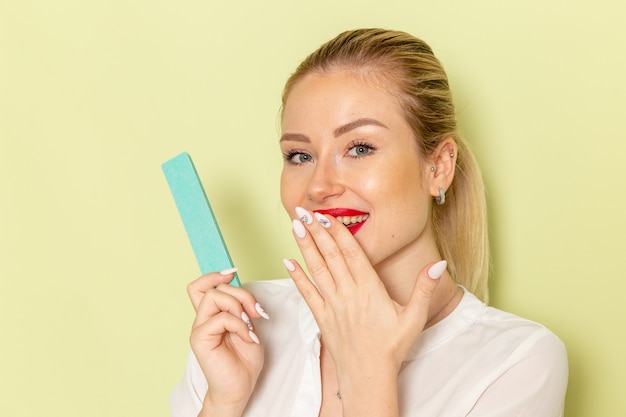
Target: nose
(325,182)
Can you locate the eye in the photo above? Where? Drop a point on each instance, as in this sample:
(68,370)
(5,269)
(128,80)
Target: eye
(360,149)
(297,157)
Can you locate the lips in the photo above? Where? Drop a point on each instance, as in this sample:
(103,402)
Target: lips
(352,219)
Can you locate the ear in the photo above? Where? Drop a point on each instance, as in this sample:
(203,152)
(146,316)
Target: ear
(442,166)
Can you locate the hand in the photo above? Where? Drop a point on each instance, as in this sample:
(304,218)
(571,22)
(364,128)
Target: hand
(367,333)
(224,343)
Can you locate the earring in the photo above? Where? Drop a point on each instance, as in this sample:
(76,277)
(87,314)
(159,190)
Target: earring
(441,198)
(432,169)
(451,155)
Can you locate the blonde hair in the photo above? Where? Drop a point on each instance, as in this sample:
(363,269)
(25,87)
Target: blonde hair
(407,66)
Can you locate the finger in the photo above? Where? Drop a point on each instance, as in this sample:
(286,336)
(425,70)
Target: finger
(352,254)
(216,302)
(309,292)
(423,290)
(247,300)
(214,330)
(327,262)
(313,257)
(197,288)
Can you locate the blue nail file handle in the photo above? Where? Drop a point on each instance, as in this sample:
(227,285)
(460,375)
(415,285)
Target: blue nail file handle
(197,216)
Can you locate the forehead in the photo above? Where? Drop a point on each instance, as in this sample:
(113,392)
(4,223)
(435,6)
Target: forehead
(338,97)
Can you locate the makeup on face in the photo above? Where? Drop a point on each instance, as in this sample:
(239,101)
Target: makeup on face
(352,219)
(350,154)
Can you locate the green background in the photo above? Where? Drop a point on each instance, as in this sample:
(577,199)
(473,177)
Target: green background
(95,95)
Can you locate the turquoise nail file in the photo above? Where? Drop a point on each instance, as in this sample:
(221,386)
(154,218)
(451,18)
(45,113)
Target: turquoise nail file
(197,216)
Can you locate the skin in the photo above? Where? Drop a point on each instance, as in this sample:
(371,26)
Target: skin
(228,356)
(347,146)
(391,182)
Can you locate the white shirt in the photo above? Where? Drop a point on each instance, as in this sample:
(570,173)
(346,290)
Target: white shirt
(478,361)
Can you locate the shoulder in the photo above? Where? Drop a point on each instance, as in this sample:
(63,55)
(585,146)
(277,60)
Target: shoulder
(521,332)
(481,360)
(490,341)
(528,369)
(511,332)
(523,349)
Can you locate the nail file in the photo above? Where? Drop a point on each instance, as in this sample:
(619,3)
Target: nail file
(197,216)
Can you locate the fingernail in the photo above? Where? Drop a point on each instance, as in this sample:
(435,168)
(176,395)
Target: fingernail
(259,308)
(229,271)
(246,320)
(304,216)
(289,265)
(437,270)
(254,337)
(323,220)
(299,229)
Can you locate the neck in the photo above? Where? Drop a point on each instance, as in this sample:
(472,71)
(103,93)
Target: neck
(399,272)
(399,276)
(447,296)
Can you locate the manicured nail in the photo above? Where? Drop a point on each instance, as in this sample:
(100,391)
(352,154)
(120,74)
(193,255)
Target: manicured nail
(299,229)
(304,216)
(229,271)
(254,337)
(259,308)
(289,265)
(246,320)
(323,220)
(437,270)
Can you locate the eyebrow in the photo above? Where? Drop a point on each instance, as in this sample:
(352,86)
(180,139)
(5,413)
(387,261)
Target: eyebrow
(341,130)
(296,137)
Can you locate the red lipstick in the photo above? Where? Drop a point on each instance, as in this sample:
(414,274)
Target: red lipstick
(346,212)
(335,212)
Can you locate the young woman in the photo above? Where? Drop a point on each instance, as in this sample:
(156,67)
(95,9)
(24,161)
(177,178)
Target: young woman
(389,214)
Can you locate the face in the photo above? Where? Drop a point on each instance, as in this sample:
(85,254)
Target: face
(350,153)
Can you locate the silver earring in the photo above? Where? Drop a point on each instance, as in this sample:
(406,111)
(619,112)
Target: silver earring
(432,169)
(441,198)
(451,155)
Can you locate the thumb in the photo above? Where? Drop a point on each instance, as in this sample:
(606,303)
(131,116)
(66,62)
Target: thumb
(425,285)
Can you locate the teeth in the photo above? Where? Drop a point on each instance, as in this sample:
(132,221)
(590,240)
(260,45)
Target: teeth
(350,220)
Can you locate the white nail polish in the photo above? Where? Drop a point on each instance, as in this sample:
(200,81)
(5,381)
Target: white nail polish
(229,271)
(437,270)
(304,216)
(323,220)
(299,229)
(289,265)
(246,320)
(259,308)
(254,337)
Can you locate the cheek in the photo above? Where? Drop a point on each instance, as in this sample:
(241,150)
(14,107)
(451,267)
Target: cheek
(402,182)
(406,193)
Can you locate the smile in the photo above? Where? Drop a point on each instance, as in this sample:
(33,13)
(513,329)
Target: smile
(352,219)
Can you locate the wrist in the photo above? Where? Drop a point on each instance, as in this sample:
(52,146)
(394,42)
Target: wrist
(215,409)
(369,394)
